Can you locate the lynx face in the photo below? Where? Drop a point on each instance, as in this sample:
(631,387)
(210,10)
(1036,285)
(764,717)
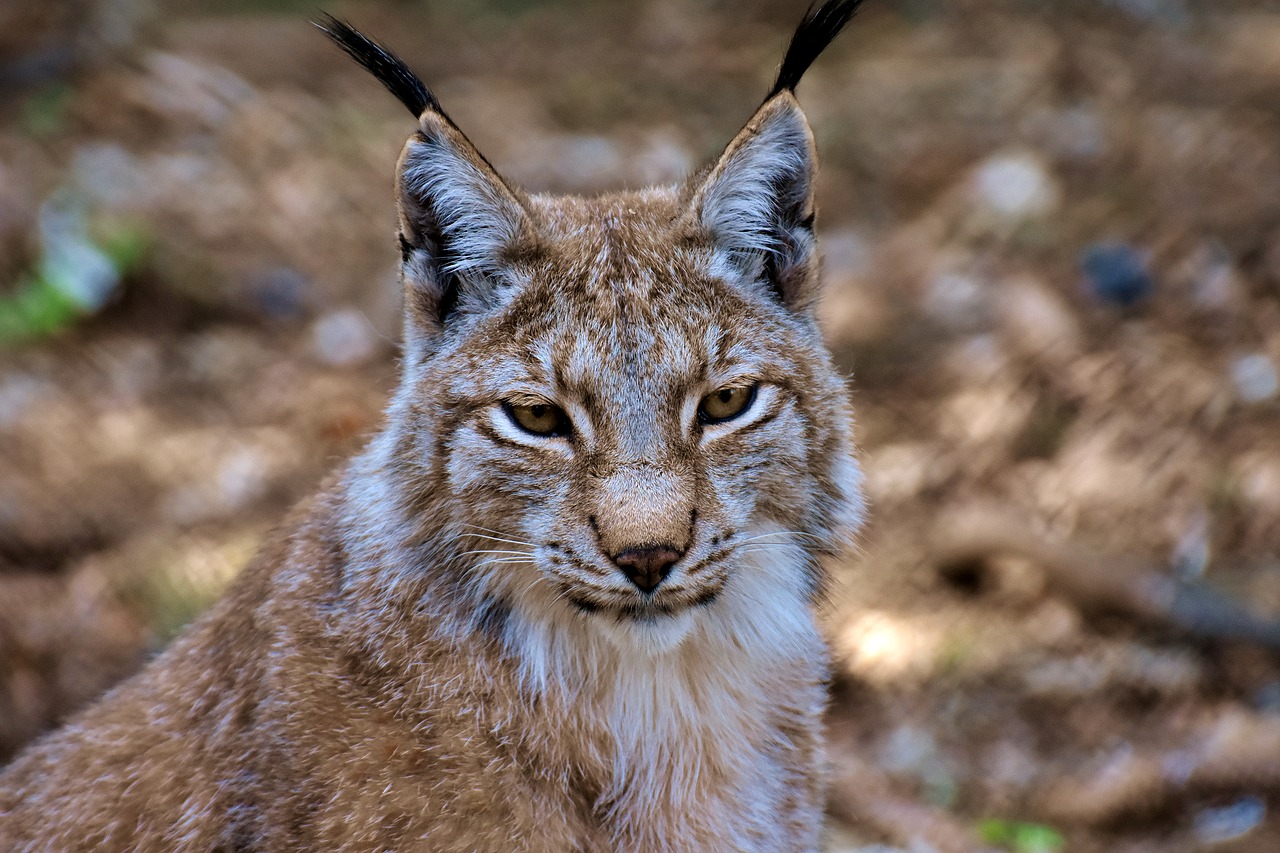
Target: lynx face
(636,418)
(626,400)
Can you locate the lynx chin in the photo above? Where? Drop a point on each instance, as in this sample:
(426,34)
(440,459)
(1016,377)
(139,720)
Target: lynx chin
(564,600)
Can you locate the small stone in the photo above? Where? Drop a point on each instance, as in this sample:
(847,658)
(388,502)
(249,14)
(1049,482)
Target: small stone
(18,393)
(1213,282)
(280,293)
(1015,186)
(1255,378)
(343,338)
(1038,322)
(1257,474)
(241,477)
(977,359)
(1117,273)
(1227,823)
(957,299)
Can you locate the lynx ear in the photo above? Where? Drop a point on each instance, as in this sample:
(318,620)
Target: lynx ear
(458,221)
(757,201)
(458,218)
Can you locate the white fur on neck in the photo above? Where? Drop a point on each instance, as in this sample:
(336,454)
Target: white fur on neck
(687,702)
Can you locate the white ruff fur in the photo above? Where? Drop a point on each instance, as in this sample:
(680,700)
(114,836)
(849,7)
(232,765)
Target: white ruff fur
(681,704)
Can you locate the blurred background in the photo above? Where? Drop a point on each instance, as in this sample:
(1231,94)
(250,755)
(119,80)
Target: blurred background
(1052,243)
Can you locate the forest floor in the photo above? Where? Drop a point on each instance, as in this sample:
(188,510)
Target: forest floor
(1052,242)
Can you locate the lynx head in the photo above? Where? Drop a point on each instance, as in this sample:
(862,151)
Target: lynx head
(620,410)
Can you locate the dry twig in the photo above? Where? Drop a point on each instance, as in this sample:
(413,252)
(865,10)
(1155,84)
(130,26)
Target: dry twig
(1097,582)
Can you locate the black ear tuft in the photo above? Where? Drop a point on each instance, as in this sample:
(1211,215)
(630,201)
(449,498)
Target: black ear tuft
(390,69)
(819,28)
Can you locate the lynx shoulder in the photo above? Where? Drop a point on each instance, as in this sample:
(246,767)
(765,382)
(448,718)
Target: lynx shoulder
(564,600)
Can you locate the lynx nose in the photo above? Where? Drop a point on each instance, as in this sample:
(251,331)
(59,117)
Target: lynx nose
(648,566)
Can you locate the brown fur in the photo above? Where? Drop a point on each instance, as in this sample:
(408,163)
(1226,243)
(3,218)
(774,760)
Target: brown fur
(438,652)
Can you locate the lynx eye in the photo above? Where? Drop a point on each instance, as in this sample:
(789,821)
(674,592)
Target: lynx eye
(538,418)
(726,404)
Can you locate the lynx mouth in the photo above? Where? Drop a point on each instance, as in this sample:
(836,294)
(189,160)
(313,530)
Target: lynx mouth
(644,611)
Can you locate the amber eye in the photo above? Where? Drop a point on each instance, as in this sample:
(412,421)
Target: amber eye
(539,418)
(726,404)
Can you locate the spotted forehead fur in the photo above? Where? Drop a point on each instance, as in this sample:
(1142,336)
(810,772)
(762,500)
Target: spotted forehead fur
(618,289)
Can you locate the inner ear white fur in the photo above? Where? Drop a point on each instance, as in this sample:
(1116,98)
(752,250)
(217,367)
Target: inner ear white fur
(474,213)
(762,186)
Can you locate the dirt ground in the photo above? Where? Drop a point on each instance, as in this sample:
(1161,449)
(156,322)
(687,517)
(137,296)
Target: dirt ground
(1052,242)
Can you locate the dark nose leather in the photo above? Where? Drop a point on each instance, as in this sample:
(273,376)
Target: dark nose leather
(648,566)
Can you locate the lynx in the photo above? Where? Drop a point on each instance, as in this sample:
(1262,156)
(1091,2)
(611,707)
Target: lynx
(565,599)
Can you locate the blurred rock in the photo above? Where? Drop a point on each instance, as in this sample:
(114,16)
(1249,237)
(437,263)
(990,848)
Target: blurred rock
(70,260)
(1258,476)
(18,393)
(1255,378)
(280,293)
(1038,322)
(1209,280)
(343,338)
(213,477)
(222,355)
(897,472)
(977,359)
(1015,186)
(957,299)
(1076,133)
(1117,273)
(1228,823)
